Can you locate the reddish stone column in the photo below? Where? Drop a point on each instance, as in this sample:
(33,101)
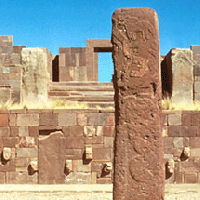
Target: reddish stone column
(139,168)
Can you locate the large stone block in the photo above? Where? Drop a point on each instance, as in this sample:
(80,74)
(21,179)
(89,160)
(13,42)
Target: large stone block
(4,131)
(36,75)
(48,119)
(181,65)
(21,177)
(2,177)
(96,119)
(196,61)
(5,94)
(75,142)
(78,178)
(51,159)
(174,119)
(27,119)
(139,168)
(67,119)
(3,119)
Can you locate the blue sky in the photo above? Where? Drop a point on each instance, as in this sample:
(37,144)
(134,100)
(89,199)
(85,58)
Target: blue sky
(68,23)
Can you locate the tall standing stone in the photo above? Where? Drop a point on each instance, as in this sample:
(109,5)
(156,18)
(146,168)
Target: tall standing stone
(139,168)
(177,70)
(36,65)
(51,159)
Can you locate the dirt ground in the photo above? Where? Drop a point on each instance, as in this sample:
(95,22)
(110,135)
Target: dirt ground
(87,192)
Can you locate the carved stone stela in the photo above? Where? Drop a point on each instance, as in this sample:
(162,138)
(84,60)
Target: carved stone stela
(139,168)
(51,159)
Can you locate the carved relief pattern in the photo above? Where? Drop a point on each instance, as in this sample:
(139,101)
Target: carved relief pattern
(138,145)
(132,37)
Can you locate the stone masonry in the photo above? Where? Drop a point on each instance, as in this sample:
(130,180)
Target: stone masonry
(20,131)
(89,134)
(138,164)
(35,75)
(177,72)
(196,65)
(27,134)
(10,71)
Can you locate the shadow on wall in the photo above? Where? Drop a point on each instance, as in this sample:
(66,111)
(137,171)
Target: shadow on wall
(166,78)
(55,69)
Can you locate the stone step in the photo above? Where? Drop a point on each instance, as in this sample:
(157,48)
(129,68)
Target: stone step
(81,93)
(81,88)
(88,83)
(86,98)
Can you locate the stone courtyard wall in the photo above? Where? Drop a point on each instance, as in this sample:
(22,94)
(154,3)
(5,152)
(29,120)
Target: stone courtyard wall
(20,130)
(181,132)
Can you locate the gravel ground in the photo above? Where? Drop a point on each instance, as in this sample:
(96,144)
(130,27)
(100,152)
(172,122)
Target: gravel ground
(84,196)
(172,192)
(55,196)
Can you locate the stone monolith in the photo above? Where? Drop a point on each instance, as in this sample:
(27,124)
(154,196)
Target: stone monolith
(51,158)
(178,68)
(138,162)
(36,65)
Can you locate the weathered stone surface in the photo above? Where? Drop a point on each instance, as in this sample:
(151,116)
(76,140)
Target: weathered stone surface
(6,153)
(196,64)
(51,159)
(3,119)
(28,119)
(36,75)
(5,93)
(181,65)
(88,152)
(21,178)
(78,178)
(139,168)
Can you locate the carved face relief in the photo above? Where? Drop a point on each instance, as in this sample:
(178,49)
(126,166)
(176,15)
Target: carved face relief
(6,153)
(34,165)
(108,167)
(170,166)
(186,152)
(88,153)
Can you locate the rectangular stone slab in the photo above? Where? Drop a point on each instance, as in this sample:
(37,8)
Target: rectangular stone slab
(36,67)
(51,159)
(139,168)
(179,62)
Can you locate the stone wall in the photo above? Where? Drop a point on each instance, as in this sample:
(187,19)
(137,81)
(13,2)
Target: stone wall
(10,71)
(81,63)
(196,57)
(181,139)
(89,144)
(20,130)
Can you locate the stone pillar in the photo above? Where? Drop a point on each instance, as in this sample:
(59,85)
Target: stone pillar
(196,67)
(139,167)
(179,81)
(36,65)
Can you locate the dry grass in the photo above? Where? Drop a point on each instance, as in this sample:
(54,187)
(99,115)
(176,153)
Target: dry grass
(61,104)
(168,105)
(51,104)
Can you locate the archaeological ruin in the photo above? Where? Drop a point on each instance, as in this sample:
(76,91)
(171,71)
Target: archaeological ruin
(76,146)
